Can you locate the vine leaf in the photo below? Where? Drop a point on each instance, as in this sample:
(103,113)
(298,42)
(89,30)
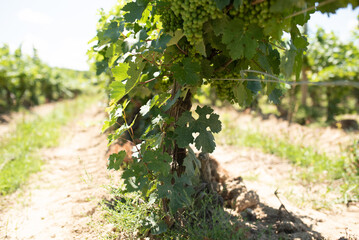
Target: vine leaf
(255,87)
(205,140)
(187,72)
(113,52)
(116,159)
(113,31)
(201,48)
(179,193)
(275,96)
(237,3)
(157,100)
(101,67)
(222,3)
(203,122)
(161,42)
(240,94)
(241,43)
(288,61)
(158,162)
(124,127)
(119,89)
(135,10)
(178,34)
(136,178)
(191,163)
(187,125)
(120,72)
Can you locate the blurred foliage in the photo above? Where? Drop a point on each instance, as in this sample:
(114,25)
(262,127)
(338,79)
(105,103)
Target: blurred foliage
(327,60)
(27,81)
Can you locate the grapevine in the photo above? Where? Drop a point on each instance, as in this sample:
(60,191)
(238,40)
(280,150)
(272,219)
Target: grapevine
(171,48)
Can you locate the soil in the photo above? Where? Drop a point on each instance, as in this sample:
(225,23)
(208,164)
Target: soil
(59,202)
(62,201)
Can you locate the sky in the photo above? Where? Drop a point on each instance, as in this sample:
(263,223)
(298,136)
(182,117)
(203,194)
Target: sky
(61,30)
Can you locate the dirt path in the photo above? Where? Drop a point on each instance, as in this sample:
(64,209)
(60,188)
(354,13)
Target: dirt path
(59,201)
(265,174)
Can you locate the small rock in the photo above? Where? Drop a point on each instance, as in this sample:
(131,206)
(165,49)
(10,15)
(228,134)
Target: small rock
(248,200)
(286,227)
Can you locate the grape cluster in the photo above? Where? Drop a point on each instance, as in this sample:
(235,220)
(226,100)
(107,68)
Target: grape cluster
(189,15)
(170,21)
(224,88)
(252,14)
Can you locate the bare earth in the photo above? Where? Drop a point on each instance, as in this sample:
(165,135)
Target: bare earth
(61,202)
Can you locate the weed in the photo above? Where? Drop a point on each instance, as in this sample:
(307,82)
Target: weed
(134,218)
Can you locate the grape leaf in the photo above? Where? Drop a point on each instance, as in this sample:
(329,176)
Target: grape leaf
(240,94)
(115,160)
(135,10)
(136,178)
(158,162)
(187,125)
(134,72)
(206,68)
(179,194)
(205,141)
(203,122)
(275,96)
(117,90)
(255,87)
(101,67)
(187,72)
(178,34)
(191,163)
(120,72)
(282,5)
(288,61)
(222,3)
(161,42)
(201,48)
(113,31)
(237,3)
(240,43)
(273,28)
(113,52)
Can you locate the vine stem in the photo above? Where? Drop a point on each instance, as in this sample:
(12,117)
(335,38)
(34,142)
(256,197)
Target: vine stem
(130,131)
(185,53)
(140,55)
(276,45)
(310,8)
(224,66)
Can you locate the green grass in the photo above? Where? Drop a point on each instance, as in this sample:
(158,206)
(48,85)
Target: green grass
(315,166)
(19,150)
(135,218)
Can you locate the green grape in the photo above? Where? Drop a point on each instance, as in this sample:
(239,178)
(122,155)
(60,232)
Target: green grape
(189,15)
(169,19)
(252,14)
(224,88)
